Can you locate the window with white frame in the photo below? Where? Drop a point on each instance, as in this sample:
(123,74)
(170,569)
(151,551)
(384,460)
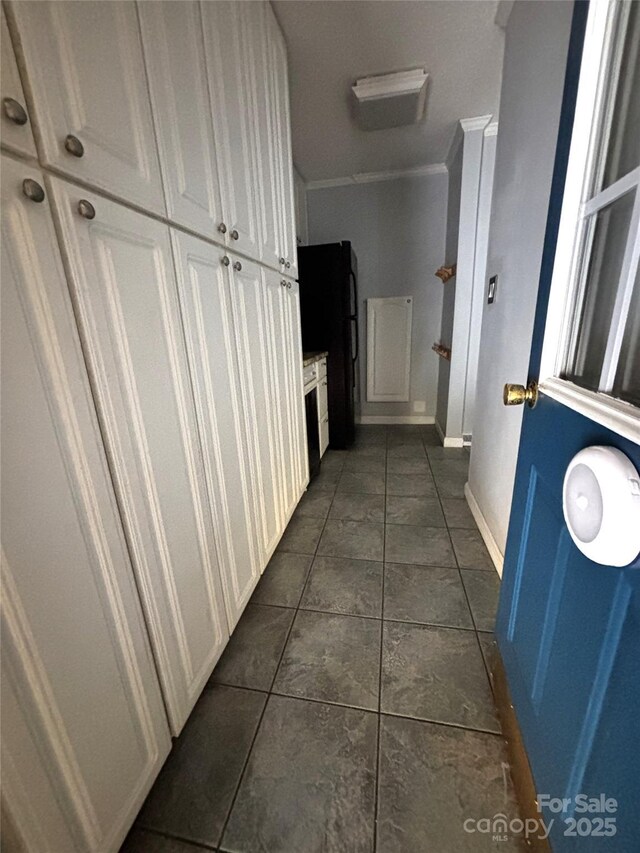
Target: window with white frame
(592,339)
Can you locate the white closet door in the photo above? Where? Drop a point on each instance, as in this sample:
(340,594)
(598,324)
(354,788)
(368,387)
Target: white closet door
(229,57)
(251,332)
(124,285)
(174,54)
(15,127)
(266,136)
(204,288)
(296,387)
(84,731)
(86,71)
(288,241)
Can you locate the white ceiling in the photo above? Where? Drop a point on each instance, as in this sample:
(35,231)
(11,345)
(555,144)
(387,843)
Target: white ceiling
(332,42)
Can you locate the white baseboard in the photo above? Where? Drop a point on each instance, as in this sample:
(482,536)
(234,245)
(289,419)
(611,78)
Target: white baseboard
(447,440)
(395,419)
(492,546)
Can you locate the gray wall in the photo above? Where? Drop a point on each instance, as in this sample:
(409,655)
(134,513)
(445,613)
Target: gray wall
(397,229)
(449,289)
(534,65)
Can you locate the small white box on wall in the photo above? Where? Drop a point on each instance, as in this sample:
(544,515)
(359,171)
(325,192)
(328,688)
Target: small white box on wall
(389,349)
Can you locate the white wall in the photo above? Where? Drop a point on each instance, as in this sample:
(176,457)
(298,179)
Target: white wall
(397,228)
(537,39)
(300,198)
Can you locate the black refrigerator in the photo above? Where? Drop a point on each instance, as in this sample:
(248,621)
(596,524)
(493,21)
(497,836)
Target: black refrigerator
(329,309)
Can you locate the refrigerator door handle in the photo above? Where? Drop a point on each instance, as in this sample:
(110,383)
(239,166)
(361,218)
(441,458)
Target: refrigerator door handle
(354,319)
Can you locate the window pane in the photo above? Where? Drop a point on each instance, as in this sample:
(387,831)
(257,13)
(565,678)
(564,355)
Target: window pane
(624,143)
(627,382)
(593,315)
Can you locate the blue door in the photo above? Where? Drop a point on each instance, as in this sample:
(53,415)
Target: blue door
(568,628)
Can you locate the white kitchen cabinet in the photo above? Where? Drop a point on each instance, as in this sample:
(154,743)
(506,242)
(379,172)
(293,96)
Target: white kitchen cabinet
(15,126)
(124,286)
(86,71)
(174,55)
(204,286)
(287,219)
(292,351)
(83,725)
(251,346)
(266,125)
(229,56)
(276,299)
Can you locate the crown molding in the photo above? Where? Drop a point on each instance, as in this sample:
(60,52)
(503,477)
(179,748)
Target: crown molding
(475,123)
(503,11)
(374,177)
(491,129)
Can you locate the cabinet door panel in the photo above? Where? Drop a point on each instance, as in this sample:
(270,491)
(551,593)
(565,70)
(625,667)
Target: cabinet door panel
(86,71)
(17,137)
(288,242)
(205,299)
(265,123)
(228,55)
(276,299)
(294,353)
(124,286)
(250,325)
(84,728)
(174,54)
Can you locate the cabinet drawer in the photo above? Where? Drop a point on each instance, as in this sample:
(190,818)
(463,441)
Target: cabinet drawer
(324,433)
(310,374)
(322,398)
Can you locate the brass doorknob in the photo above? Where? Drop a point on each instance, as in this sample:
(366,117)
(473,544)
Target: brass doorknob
(516,395)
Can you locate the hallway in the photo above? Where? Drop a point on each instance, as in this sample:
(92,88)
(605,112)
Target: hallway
(354,693)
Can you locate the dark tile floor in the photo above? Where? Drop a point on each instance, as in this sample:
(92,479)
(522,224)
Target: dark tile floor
(352,709)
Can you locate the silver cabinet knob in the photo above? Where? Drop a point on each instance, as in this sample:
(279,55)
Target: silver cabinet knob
(237,266)
(86,209)
(234,235)
(281,262)
(283,283)
(32,190)
(289,285)
(14,111)
(288,265)
(74,146)
(225,261)
(222,228)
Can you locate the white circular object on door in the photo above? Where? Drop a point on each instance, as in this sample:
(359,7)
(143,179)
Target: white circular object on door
(601,504)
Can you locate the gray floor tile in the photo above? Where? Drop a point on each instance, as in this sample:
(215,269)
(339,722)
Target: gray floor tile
(430,437)
(457,513)
(369,449)
(338,585)
(302,535)
(366,464)
(448,453)
(483,589)
(357,539)
(139,841)
(310,782)
(432,779)
(450,485)
(193,793)
(408,465)
(471,552)
(361,484)
(332,658)
(252,654)
(411,485)
(414,510)
(407,451)
(447,465)
(427,546)
(435,674)
(333,460)
(350,507)
(490,653)
(314,505)
(427,594)
(283,580)
(325,481)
